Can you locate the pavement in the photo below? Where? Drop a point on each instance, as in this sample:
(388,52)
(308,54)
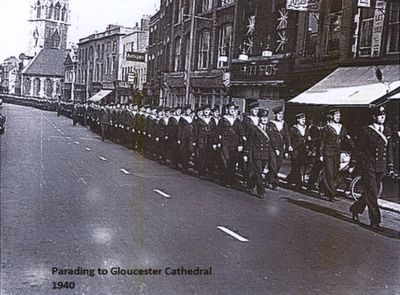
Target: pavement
(389,200)
(69,201)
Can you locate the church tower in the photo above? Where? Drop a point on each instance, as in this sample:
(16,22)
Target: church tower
(49,25)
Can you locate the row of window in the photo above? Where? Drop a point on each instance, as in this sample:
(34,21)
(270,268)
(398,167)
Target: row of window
(37,85)
(51,12)
(85,55)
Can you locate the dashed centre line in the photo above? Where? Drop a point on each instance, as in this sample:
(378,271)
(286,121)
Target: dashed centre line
(103,158)
(162,193)
(76,142)
(125,171)
(88,149)
(232,234)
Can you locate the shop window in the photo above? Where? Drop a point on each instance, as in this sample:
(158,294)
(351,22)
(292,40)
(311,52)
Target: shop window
(206,5)
(57,11)
(114,46)
(366,28)
(335,24)
(394,25)
(204,50)
(311,40)
(224,45)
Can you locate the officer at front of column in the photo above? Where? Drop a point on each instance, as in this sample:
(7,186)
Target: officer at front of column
(374,155)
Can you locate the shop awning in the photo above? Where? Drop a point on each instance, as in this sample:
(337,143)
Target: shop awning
(100,95)
(207,82)
(353,86)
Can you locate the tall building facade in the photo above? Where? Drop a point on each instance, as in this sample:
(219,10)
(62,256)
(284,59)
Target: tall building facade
(43,75)
(172,37)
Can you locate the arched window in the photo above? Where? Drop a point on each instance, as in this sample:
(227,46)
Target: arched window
(38,10)
(36,87)
(57,11)
(48,86)
(50,11)
(206,5)
(177,62)
(64,14)
(204,50)
(55,40)
(27,86)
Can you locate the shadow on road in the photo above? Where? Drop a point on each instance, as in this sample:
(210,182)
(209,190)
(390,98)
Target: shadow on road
(387,232)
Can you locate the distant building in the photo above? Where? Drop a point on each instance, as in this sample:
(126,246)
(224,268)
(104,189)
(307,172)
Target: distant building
(43,75)
(70,68)
(10,76)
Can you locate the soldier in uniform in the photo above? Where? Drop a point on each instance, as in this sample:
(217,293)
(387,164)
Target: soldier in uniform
(104,121)
(231,138)
(139,128)
(204,127)
(172,132)
(280,142)
(374,155)
(186,137)
(333,136)
(299,138)
(160,134)
(259,147)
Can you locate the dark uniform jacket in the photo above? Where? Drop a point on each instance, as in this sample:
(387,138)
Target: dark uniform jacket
(185,131)
(331,142)
(372,151)
(278,138)
(259,144)
(299,141)
(203,132)
(230,135)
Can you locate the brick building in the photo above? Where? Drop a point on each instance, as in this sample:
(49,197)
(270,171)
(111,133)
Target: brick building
(170,42)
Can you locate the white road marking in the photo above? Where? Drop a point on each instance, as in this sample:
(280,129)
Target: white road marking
(81,179)
(68,137)
(88,149)
(125,171)
(233,234)
(76,142)
(103,159)
(162,193)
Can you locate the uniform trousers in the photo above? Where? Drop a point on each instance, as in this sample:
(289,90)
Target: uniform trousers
(371,182)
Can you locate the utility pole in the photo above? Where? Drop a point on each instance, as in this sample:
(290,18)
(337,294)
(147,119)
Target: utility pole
(189,65)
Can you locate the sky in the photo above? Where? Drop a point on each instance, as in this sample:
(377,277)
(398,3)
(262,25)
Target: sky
(87,16)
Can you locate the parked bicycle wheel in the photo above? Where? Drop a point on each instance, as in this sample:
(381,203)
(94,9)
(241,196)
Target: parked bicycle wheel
(356,188)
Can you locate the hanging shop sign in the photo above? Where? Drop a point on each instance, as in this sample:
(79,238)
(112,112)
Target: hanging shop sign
(259,70)
(364,3)
(135,56)
(303,5)
(377,27)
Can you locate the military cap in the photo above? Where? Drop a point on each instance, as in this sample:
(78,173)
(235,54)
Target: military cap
(278,109)
(178,108)
(300,115)
(215,109)
(187,106)
(253,105)
(206,106)
(333,110)
(230,105)
(160,109)
(379,111)
(263,113)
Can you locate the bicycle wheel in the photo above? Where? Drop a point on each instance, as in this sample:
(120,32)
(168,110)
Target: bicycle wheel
(357,190)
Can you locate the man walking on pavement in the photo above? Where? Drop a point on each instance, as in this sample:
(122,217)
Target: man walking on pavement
(374,155)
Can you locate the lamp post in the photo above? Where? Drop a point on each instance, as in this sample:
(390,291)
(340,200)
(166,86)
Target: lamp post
(189,65)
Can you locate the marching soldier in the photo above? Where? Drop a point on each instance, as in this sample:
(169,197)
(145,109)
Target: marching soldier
(172,131)
(260,150)
(160,133)
(204,127)
(374,155)
(104,122)
(186,137)
(333,135)
(299,138)
(280,141)
(231,138)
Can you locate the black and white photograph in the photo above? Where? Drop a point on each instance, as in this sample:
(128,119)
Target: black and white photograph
(199,147)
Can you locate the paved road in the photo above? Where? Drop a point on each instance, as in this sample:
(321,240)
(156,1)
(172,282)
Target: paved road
(69,200)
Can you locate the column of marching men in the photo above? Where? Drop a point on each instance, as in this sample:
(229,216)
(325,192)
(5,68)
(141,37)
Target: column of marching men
(230,146)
